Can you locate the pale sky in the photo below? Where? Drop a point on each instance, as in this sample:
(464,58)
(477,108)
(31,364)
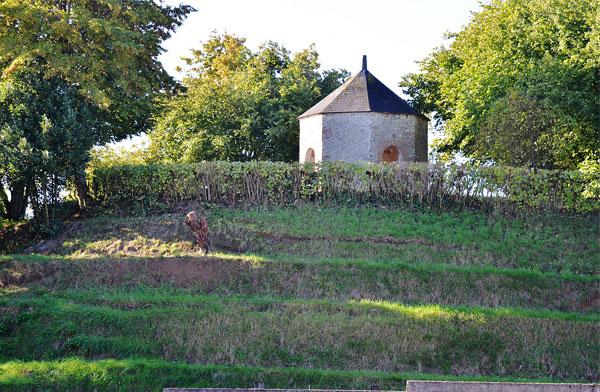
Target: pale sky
(394,34)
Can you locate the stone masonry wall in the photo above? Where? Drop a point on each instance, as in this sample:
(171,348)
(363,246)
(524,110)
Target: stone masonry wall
(362,137)
(421,141)
(396,130)
(346,137)
(311,129)
(433,386)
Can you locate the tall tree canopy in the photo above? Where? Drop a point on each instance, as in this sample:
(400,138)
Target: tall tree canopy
(240,105)
(108,49)
(519,85)
(74,74)
(46,131)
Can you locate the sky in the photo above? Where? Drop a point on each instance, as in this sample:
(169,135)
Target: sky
(394,34)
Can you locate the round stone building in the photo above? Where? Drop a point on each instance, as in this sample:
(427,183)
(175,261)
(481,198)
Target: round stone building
(363,121)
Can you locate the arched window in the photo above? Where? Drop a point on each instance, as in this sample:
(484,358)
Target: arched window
(310,155)
(390,154)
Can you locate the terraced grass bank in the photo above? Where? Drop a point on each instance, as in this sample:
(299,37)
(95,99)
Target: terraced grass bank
(297,333)
(313,278)
(541,243)
(153,375)
(304,297)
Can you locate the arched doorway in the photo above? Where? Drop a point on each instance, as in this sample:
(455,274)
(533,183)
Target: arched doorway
(390,154)
(310,155)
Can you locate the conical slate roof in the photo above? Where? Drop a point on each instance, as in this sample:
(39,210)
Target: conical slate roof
(363,92)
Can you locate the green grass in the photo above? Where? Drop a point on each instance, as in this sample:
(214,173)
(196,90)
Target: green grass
(554,243)
(271,332)
(546,244)
(141,297)
(305,277)
(74,374)
(7,222)
(305,297)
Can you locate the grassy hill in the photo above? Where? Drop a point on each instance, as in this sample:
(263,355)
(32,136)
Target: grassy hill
(304,297)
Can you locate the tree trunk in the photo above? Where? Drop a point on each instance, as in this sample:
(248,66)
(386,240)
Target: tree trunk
(4,203)
(18,201)
(82,191)
(200,229)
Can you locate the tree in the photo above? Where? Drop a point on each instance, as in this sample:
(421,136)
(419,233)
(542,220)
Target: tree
(103,51)
(519,131)
(519,85)
(46,131)
(241,105)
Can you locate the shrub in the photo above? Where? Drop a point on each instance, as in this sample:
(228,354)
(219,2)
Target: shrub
(155,187)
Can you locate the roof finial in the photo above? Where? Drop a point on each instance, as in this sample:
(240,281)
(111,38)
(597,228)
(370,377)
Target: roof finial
(364,63)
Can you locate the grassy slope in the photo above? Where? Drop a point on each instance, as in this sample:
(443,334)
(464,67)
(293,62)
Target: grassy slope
(147,375)
(546,244)
(347,290)
(314,278)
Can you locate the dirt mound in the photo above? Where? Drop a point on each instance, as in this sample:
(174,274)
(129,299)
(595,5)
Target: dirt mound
(180,272)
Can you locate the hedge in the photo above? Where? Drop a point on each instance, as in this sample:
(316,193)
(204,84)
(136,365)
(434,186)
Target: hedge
(155,187)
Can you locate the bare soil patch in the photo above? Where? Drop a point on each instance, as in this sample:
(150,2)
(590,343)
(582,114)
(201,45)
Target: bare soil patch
(181,272)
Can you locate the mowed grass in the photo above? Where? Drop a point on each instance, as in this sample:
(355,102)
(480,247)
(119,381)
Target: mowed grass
(304,297)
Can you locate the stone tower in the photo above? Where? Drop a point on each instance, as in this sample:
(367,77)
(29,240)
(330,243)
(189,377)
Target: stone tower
(363,121)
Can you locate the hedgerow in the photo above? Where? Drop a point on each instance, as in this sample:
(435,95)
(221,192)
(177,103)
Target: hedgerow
(156,187)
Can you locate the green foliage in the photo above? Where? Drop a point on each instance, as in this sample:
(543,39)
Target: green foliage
(516,132)
(415,185)
(107,49)
(46,130)
(74,74)
(591,171)
(4,203)
(240,105)
(519,85)
(116,156)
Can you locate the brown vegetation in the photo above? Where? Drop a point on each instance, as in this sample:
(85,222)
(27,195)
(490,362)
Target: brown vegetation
(200,229)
